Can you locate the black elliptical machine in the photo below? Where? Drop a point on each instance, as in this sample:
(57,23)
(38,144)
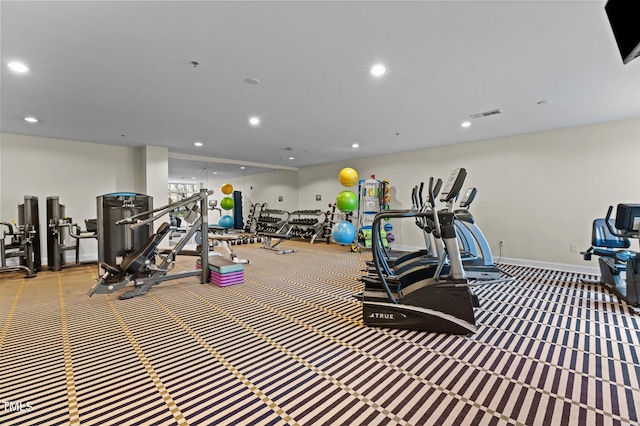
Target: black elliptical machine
(434,300)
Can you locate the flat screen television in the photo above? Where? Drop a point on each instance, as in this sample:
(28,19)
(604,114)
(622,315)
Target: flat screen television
(624,17)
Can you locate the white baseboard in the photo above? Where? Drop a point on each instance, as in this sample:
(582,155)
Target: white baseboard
(567,267)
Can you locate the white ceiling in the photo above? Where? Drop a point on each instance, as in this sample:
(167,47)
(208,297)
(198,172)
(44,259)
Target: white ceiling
(120,72)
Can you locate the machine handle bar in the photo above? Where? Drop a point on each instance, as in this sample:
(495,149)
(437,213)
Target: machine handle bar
(161,211)
(613,230)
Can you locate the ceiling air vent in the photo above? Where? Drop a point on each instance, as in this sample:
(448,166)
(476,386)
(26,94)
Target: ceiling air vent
(486,113)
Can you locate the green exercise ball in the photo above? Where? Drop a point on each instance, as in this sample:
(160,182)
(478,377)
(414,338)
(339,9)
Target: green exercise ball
(226,203)
(347,201)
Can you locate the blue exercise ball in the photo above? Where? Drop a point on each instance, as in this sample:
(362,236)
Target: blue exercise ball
(343,233)
(226,221)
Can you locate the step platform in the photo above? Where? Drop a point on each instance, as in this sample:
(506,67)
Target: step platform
(224,272)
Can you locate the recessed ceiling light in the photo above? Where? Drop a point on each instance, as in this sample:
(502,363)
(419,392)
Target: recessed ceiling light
(544,102)
(193,177)
(378,70)
(242,167)
(355,145)
(18,67)
(251,80)
(31,119)
(292,158)
(197,143)
(466,124)
(215,173)
(254,121)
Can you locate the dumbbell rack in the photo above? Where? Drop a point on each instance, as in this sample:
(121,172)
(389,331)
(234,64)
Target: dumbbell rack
(332,217)
(252,220)
(306,227)
(272,221)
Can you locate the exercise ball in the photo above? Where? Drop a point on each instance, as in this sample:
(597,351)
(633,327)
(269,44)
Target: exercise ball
(390,238)
(347,201)
(227,188)
(348,176)
(226,203)
(388,227)
(343,233)
(226,221)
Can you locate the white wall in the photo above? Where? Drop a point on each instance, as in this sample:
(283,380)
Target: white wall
(539,192)
(77,172)
(260,188)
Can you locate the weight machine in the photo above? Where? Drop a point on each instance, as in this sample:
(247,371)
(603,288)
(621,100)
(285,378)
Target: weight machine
(119,240)
(140,266)
(63,235)
(24,239)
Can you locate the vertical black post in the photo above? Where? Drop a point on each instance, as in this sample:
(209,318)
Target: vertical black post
(238,220)
(31,219)
(54,215)
(205,275)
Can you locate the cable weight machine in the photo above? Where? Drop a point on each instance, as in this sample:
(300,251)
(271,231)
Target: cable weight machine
(141,266)
(24,239)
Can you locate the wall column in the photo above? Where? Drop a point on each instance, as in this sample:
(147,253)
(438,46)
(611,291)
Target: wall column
(156,177)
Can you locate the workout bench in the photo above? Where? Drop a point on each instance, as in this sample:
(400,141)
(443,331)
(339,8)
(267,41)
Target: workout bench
(223,241)
(269,243)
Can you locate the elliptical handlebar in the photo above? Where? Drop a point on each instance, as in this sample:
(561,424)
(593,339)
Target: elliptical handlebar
(414,198)
(434,189)
(432,195)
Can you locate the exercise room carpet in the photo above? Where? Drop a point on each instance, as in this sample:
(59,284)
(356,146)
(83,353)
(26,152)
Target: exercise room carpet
(287,347)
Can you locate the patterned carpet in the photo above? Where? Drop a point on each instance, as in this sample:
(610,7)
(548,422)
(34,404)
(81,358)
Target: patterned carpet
(287,347)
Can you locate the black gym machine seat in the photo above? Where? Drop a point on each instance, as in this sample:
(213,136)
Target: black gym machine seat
(138,262)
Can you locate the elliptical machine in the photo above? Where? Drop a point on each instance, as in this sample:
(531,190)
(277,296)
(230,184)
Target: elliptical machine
(610,241)
(434,300)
